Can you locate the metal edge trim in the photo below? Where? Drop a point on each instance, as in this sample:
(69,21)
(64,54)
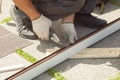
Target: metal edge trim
(58,52)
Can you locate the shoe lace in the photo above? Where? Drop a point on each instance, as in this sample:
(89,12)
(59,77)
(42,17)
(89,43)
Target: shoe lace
(23,27)
(27,25)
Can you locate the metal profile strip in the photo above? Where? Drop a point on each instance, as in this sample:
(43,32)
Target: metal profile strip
(63,54)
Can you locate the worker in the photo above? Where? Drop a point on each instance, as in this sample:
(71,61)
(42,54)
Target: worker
(34,17)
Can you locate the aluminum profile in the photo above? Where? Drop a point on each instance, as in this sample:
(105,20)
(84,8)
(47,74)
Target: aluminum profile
(59,56)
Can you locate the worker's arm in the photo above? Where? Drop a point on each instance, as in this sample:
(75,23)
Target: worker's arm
(40,23)
(68,28)
(27,7)
(69,18)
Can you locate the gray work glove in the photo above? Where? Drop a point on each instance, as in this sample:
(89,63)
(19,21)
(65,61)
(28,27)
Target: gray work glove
(69,32)
(41,27)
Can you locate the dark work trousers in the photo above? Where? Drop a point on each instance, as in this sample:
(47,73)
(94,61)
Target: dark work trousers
(88,7)
(61,10)
(56,9)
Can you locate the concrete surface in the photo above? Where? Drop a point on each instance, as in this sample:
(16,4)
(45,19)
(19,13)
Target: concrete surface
(72,69)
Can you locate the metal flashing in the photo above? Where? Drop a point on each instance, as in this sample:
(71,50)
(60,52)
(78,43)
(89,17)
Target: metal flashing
(64,53)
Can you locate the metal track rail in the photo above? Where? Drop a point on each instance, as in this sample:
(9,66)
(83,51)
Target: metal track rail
(63,54)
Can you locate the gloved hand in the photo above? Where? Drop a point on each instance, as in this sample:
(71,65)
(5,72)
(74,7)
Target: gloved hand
(69,30)
(41,27)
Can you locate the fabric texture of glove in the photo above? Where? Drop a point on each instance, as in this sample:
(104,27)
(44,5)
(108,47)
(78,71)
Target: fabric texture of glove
(69,31)
(41,27)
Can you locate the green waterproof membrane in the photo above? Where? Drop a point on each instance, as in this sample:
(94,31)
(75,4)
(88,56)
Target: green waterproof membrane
(51,72)
(6,20)
(56,74)
(26,56)
(117,77)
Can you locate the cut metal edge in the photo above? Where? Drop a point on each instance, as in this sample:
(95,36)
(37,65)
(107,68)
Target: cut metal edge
(64,53)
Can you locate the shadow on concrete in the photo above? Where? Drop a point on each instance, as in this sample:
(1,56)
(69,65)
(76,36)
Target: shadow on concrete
(11,24)
(112,41)
(46,45)
(70,63)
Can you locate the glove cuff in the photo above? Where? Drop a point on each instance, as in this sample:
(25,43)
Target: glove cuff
(68,24)
(42,19)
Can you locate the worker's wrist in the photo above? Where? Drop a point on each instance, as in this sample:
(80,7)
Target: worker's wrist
(35,16)
(42,19)
(67,21)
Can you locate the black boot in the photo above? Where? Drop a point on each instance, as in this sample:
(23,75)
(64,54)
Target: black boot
(90,21)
